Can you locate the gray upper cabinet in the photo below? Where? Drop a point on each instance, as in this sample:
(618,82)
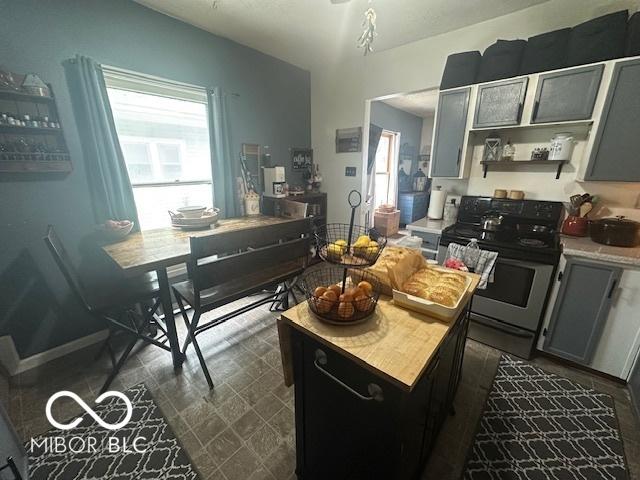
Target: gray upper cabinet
(451,123)
(581,309)
(500,104)
(614,156)
(567,96)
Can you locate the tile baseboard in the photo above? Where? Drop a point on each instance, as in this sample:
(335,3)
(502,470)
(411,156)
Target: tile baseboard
(14,365)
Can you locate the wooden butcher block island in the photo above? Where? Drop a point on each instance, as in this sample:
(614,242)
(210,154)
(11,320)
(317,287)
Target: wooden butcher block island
(371,398)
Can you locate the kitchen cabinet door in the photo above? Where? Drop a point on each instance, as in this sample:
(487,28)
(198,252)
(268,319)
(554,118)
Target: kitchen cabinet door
(500,104)
(567,96)
(581,309)
(451,123)
(614,156)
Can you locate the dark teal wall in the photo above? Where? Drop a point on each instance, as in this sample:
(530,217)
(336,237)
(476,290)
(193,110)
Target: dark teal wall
(395,120)
(36,36)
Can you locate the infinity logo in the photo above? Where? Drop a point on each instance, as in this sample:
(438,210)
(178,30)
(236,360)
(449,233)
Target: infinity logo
(74,423)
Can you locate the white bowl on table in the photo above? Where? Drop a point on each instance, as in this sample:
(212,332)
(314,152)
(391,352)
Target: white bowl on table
(114,231)
(192,211)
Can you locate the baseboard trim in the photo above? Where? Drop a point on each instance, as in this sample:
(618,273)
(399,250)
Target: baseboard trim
(15,365)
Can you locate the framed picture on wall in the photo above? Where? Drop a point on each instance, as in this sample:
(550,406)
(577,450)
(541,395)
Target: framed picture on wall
(349,140)
(301,158)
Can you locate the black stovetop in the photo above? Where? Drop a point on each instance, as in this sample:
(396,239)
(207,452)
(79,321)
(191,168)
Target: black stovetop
(516,238)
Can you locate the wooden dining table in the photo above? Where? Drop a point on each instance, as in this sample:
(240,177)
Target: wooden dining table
(157,250)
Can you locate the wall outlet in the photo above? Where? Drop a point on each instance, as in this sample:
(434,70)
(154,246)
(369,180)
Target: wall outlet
(350,171)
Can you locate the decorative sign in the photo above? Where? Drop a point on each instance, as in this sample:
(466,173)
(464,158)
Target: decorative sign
(302,158)
(349,140)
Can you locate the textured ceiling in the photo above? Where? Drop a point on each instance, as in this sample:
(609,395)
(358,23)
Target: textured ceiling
(422,104)
(307,32)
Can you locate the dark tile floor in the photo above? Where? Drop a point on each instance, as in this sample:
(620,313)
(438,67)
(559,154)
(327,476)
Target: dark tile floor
(244,429)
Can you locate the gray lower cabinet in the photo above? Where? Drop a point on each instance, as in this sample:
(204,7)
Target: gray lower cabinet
(500,104)
(614,156)
(581,309)
(451,123)
(567,96)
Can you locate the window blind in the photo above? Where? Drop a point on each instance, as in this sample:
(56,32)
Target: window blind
(141,83)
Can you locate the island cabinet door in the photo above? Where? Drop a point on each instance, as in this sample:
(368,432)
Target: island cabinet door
(350,423)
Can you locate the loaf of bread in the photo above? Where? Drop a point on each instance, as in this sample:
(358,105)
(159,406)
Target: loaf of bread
(390,259)
(436,286)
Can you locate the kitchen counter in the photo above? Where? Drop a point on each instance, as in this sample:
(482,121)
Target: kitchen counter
(585,247)
(370,399)
(396,344)
(427,225)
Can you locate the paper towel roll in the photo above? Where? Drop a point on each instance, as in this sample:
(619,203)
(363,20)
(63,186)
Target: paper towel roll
(436,204)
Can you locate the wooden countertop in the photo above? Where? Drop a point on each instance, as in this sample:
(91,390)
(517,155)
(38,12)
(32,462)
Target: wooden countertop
(396,344)
(145,251)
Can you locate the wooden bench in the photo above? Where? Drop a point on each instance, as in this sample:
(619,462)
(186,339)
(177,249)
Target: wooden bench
(269,257)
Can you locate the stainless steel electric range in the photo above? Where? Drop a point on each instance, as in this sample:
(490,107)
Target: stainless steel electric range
(508,313)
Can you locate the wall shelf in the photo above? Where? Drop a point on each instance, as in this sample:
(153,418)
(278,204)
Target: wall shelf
(515,164)
(572,123)
(23,96)
(32,149)
(12,129)
(22,166)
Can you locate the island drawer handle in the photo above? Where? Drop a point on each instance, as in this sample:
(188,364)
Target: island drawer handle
(375,392)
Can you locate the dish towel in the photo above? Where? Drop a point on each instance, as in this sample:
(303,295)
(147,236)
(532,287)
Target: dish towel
(484,267)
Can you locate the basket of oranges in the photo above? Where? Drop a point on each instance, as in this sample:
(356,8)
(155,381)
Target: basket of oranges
(341,296)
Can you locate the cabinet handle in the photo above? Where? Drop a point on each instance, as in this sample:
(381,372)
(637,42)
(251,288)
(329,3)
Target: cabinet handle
(613,287)
(375,392)
(535,109)
(459,155)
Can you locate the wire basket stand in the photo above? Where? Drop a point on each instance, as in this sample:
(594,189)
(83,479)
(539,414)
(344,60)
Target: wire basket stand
(337,245)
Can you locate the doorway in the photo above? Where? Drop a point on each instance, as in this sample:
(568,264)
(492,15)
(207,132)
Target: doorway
(386,167)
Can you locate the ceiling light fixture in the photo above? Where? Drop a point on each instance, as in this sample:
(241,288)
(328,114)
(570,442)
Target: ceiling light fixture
(365,41)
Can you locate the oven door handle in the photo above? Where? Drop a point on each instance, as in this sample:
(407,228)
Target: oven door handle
(500,326)
(518,263)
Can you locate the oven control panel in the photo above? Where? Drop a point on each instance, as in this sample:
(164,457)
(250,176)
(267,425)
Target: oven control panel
(473,208)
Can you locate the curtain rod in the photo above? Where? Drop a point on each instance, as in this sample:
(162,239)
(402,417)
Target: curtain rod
(110,68)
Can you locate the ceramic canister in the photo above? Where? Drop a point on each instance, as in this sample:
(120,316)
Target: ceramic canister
(561,146)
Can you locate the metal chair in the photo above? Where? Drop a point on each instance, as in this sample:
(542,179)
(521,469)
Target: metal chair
(270,257)
(112,302)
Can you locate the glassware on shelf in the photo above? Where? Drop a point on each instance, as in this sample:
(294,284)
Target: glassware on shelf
(509,152)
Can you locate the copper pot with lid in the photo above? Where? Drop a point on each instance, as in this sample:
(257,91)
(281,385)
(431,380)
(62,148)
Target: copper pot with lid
(618,231)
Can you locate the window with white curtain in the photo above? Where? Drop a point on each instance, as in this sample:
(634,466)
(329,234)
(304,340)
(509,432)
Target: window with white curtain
(164,134)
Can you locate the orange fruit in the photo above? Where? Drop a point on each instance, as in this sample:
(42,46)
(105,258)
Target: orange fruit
(345,297)
(323,305)
(330,295)
(346,310)
(336,289)
(319,291)
(366,287)
(354,292)
(363,303)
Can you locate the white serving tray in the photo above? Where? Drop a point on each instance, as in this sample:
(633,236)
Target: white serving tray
(430,308)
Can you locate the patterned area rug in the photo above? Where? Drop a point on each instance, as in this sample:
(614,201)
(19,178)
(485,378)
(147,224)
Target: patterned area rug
(91,452)
(539,426)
